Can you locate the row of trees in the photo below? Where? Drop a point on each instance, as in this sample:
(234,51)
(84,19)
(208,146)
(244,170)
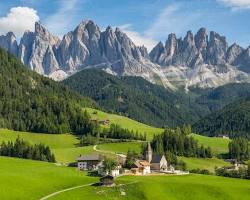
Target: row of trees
(178,143)
(23,149)
(117,132)
(239,149)
(113,134)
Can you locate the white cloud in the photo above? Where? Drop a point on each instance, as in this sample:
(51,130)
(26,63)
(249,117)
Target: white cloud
(137,38)
(59,22)
(236,4)
(18,20)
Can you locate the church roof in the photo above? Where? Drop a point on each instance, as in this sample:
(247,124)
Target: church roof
(156,158)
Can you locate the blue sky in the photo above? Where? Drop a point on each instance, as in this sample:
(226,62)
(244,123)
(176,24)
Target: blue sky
(145,21)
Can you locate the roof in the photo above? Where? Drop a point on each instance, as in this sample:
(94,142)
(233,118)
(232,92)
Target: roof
(141,163)
(156,158)
(94,157)
(107,177)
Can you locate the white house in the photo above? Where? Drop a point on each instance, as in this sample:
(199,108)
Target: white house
(89,162)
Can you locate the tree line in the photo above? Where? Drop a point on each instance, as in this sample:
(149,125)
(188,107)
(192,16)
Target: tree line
(115,133)
(22,149)
(239,149)
(178,142)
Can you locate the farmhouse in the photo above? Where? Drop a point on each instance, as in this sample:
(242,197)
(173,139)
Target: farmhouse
(89,162)
(141,167)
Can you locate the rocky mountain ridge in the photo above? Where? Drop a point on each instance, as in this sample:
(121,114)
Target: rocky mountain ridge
(196,60)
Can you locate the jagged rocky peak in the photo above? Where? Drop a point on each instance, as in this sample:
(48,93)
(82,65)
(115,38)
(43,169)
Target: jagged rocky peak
(9,43)
(243,60)
(171,44)
(217,49)
(233,52)
(156,52)
(45,35)
(201,39)
(144,51)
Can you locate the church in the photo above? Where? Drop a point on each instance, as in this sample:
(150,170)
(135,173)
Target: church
(151,162)
(157,162)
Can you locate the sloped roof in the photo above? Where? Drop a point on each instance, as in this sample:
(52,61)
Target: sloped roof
(141,163)
(94,157)
(156,158)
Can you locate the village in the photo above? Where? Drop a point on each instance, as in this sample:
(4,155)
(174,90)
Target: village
(151,164)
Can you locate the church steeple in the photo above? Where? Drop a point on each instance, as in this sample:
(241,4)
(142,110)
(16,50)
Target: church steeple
(149,153)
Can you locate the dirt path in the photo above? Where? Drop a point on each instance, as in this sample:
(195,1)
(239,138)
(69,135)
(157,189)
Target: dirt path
(107,152)
(80,186)
(65,190)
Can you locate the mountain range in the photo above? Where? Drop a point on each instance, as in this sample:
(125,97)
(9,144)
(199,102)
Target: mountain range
(196,60)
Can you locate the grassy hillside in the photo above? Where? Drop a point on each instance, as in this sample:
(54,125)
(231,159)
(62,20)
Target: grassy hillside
(204,163)
(31,180)
(232,120)
(54,141)
(218,145)
(125,122)
(120,147)
(195,187)
(64,146)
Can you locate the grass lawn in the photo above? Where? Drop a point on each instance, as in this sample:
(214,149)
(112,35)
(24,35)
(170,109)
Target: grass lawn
(31,180)
(125,122)
(52,140)
(218,145)
(190,187)
(68,155)
(204,163)
(120,147)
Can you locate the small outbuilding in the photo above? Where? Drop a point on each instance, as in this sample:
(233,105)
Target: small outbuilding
(107,180)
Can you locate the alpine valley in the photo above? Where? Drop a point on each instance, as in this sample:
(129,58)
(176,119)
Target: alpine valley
(195,61)
(91,115)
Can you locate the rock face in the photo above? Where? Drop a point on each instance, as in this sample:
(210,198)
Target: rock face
(196,60)
(37,50)
(9,43)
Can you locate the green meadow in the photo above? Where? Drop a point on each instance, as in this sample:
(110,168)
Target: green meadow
(204,163)
(124,122)
(218,145)
(31,180)
(122,147)
(188,187)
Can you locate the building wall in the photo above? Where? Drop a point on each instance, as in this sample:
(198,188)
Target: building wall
(146,170)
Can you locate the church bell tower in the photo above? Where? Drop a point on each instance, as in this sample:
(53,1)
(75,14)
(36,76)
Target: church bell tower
(148,153)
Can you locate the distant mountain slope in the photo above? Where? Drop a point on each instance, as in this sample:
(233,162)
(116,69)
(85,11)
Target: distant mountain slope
(232,120)
(215,99)
(136,98)
(31,102)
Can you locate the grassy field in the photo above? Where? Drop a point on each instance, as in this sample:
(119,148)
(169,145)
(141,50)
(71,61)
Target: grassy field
(120,147)
(26,179)
(201,163)
(218,145)
(54,141)
(190,187)
(125,122)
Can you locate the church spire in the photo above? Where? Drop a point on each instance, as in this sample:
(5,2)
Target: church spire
(149,153)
